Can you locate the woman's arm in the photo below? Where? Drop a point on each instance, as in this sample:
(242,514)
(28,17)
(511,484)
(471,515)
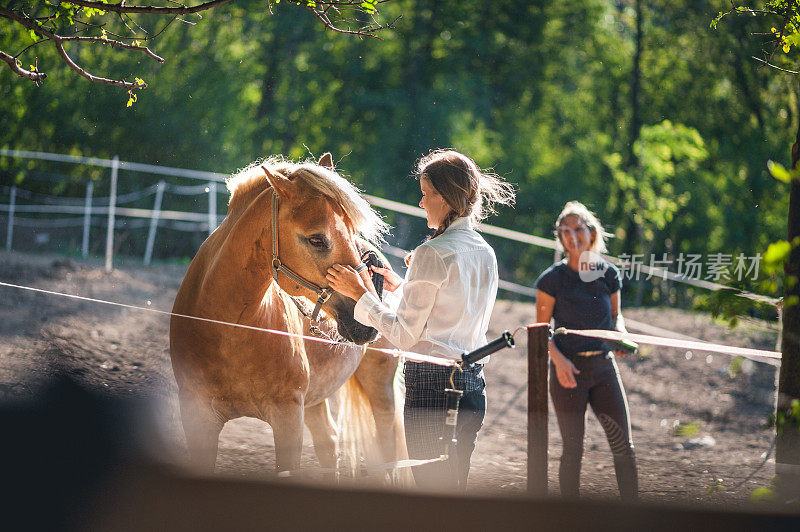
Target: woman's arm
(404,327)
(616,312)
(565,370)
(617,319)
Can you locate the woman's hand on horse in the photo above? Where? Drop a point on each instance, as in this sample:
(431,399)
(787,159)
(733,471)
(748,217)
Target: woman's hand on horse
(391,281)
(346,281)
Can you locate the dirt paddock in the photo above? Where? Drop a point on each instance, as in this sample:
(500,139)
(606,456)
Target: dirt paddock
(675,397)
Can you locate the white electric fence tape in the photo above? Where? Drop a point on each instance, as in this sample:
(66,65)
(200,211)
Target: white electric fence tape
(672,342)
(404,355)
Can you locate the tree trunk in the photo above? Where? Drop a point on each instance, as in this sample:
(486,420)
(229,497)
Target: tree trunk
(787,446)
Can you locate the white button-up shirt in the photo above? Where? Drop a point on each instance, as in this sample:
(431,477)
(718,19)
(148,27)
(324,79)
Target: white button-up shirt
(446,299)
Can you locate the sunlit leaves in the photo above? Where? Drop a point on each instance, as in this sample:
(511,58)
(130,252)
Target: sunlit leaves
(780,172)
(665,152)
(777,254)
(131,98)
(368,6)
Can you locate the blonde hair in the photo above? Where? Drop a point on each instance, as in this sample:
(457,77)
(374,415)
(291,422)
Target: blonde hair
(468,190)
(250,181)
(589,219)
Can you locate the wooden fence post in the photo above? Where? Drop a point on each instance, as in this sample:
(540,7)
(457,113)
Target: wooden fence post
(12,203)
(112,208)
(87,219)
(538,336)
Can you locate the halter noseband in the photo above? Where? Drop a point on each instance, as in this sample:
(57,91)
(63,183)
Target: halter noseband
(323,294)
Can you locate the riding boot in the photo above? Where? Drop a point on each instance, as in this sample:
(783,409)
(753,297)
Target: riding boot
(569,476)
(627,476)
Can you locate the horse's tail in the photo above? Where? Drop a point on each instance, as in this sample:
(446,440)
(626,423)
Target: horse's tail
(359,438)
(357,432)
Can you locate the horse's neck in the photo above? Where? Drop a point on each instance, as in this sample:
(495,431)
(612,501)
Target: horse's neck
(241,267)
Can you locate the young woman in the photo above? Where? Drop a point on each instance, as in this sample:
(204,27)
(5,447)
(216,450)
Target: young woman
(583,292)
(444,307)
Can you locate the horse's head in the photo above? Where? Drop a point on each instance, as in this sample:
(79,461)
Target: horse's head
(320,216)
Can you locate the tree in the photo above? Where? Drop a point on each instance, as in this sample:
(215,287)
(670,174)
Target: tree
(783,19)
(135,28)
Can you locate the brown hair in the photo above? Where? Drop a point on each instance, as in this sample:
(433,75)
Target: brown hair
(589,219)
(468,190)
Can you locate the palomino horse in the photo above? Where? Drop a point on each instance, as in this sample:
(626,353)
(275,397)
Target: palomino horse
(247,273)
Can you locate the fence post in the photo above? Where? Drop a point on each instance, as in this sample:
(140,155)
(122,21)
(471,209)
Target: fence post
(12,203)
(87,219)
(112,207)
(154,216)
(212,206)
(538,336)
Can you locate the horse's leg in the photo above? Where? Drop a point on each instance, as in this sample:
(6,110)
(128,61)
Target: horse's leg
(202,427)
(287,430)
(323,433)
(376,375)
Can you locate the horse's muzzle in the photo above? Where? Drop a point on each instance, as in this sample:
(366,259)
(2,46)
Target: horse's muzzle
(346,324)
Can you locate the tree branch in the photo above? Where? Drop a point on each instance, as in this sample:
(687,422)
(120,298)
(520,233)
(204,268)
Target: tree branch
(153,10)
(767,63)
(74,66)
(115,44)
(19,71)
(341,16)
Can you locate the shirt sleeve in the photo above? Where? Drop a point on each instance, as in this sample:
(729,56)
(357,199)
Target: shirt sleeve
(613,279)
(404,327)
(548,282)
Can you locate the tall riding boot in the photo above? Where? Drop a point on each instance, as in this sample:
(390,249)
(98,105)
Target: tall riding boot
(569,476)
(627,476)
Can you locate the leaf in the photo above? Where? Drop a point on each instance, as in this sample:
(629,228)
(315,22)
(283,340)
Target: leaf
(762,495)
(780,172)
(687,429)
(777,253)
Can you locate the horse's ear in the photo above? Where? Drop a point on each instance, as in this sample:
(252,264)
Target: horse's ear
(282,185)
(326,160)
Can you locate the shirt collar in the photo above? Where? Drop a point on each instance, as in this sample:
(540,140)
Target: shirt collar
(462,222)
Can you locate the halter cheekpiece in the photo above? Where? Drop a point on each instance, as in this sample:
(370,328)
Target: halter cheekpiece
(368,258)
(323,294)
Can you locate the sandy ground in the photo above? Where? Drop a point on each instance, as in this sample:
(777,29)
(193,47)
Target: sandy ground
(125,352)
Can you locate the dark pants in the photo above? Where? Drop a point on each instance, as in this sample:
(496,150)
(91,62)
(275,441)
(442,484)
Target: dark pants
(426,432)
(600,386)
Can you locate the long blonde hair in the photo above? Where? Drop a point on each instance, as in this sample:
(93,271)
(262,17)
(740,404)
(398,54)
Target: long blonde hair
(589,219)
(468,190)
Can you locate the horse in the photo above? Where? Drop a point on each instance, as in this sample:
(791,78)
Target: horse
(286,223)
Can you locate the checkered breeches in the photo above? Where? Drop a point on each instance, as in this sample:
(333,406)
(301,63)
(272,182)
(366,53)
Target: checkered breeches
(426,382)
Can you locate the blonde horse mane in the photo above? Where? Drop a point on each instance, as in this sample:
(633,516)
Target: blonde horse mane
(250,182)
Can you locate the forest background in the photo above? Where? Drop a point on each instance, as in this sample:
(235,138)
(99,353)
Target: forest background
(639,109)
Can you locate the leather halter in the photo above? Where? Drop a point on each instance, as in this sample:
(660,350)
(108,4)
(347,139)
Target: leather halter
(323,294)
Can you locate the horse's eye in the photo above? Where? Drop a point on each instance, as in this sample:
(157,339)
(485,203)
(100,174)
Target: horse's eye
(319,242)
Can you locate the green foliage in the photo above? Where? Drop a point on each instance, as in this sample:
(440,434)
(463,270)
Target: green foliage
(668,156)
(684,430)
(780,173)
(762,495)
(716,487)
(735,367)
(776,255)
(539,91)
(787,418)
